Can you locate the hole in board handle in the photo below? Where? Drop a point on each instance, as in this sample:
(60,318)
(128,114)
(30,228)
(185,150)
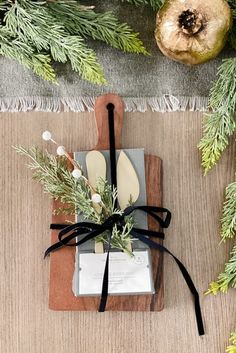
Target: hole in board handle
(110,106)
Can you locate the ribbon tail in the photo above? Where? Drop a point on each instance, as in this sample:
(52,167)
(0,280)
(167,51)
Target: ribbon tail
(105,282)
(186,276)
(104,295)
(52,248)
(58,226)
(194,292)
(199,319)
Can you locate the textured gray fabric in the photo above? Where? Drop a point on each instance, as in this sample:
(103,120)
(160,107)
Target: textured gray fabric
(153,80)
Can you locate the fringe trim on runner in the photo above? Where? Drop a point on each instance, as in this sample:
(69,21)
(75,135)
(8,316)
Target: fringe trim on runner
(166,103)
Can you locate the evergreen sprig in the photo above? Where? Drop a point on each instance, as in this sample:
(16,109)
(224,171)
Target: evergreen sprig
(232,347)
(36,33)
(39,63)
(34,26)
(228,221)
(155,4)
(57,180)
(99,26)
(220,124)
(227,278)
(52,172)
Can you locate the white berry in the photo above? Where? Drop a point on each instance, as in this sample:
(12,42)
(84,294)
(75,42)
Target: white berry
(46,135)
(96,198)
(61,150)
(76,173)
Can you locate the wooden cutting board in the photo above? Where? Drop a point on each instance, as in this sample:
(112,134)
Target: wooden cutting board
(62,262)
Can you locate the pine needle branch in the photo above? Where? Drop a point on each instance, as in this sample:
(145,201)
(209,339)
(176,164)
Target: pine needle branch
(52,172)
(33,24)
(57,180)
(220,124)
(232,347)
(99,26)
(41,31)
(155,4)
(228,221)
(226,279)
(39,63)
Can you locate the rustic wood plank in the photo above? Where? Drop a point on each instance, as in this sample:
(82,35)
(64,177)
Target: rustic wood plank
(101,121)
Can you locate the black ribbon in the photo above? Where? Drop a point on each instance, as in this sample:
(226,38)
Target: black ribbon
(91,230)
(112,144)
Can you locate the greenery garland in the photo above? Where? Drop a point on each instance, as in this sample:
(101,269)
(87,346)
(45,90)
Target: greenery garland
(35,33)
(218,126)
(232,347)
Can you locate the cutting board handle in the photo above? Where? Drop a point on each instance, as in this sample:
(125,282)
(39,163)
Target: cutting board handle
(101,115)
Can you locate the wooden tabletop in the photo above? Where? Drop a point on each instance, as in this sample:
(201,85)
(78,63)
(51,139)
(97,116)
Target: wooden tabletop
(26,323)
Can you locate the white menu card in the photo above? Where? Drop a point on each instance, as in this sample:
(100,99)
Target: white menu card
(127,275)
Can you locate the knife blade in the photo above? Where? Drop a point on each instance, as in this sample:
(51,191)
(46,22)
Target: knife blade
(96,168)
(128,187)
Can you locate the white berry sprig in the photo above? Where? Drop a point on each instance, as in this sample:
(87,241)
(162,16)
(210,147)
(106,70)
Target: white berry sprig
(77,171)
(61,151)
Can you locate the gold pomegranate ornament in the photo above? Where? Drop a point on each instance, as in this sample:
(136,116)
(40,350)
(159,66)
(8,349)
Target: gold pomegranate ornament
(193,31)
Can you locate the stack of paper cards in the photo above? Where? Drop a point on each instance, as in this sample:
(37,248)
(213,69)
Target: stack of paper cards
(127,274)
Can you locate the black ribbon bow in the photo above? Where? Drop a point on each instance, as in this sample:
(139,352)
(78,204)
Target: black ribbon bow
(91,230)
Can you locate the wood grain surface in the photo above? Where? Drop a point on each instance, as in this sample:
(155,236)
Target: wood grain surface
(28,326)
(102,127)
